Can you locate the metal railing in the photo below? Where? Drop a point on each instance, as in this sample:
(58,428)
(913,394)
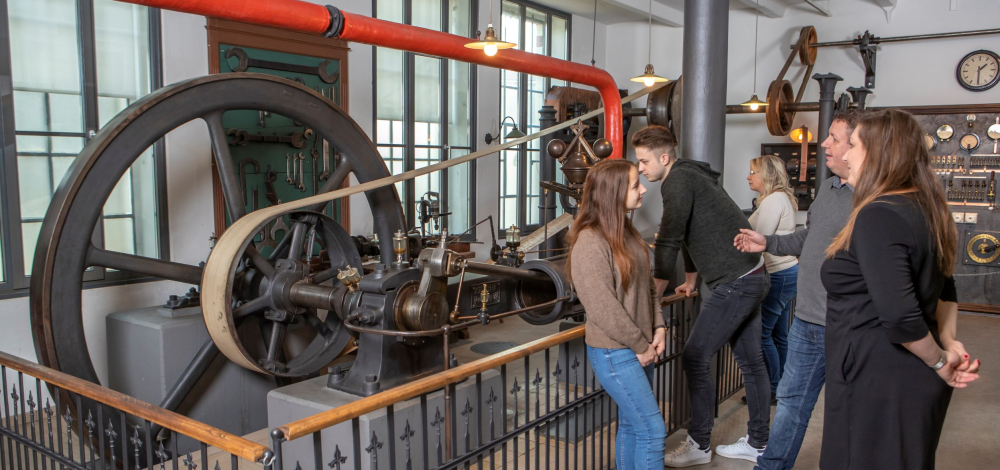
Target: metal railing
(59,421)
(535,405)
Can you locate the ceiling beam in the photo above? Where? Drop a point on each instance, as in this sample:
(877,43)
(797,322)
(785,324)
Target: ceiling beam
(661,13)
(886,3)
(824,8)
(768,8)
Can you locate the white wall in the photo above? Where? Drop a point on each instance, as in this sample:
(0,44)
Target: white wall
(908,73)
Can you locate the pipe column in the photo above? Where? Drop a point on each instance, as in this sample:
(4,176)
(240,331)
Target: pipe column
(706,51)
(547,203)
(827,105)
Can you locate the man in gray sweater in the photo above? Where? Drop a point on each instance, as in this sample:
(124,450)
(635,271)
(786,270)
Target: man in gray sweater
(699,221)
(805,370)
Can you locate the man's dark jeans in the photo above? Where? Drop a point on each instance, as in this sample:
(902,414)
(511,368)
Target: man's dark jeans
(731,314)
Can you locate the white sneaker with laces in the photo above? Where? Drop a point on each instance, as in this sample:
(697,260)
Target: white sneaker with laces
(740,450)
(687,454)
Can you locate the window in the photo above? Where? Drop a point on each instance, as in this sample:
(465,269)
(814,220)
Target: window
(424,107)
(539,31)
(73,65)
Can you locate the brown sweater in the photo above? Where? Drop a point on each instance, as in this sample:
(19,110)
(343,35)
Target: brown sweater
(616,318)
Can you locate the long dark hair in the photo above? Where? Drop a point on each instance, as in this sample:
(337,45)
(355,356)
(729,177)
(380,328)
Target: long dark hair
(897,162)
(602,209)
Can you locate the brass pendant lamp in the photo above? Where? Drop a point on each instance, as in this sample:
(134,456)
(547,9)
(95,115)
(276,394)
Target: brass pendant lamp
(490,44)
(649,78)
(755,103)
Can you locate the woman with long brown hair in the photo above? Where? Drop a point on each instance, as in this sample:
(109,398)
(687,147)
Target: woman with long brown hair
(610,268)
(891,356)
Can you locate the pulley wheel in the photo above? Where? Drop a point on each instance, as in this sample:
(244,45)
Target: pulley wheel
(779,95)
(807,53)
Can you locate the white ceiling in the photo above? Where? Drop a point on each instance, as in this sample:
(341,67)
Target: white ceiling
(671,12)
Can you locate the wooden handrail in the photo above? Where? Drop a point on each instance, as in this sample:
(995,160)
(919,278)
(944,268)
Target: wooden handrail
(214,437)
(340,414)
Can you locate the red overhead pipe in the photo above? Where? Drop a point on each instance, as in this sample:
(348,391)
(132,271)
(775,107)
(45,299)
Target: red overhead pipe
(306,17)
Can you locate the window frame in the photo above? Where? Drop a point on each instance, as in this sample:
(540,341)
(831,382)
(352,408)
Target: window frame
(523,117)
(409,145)
(16,281)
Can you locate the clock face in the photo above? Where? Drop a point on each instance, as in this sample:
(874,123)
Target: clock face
(979,70)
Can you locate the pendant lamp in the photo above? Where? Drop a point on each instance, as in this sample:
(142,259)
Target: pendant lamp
(490,44)
(649,77)
(755,103)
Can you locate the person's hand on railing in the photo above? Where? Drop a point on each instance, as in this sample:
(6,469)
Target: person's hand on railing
(749,241)
(659,341)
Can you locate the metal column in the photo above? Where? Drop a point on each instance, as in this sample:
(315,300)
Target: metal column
(827,86)
(706,52)
(547,203)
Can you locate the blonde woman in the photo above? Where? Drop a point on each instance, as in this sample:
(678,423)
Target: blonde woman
(775,215)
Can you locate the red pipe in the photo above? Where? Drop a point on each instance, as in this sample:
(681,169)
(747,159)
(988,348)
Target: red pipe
(306,17)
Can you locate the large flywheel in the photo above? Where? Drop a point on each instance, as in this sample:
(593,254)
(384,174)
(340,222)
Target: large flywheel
(259,287)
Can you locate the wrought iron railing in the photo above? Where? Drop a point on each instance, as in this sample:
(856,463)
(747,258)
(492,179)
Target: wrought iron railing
(52,420)
(536,405)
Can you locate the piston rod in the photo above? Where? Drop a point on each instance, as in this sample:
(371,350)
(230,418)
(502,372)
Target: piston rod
(506,271)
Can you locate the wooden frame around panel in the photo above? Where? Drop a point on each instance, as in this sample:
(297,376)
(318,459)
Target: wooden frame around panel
(277,40)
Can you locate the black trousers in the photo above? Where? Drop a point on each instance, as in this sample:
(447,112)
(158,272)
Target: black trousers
(731,314)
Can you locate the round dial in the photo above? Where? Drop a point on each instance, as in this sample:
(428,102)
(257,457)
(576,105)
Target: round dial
(994,132)
(929,142)
(979,70)
(969,142)
(982,248)
(945,132)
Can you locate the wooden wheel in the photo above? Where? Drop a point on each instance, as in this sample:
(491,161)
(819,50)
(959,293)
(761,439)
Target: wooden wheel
(779,94)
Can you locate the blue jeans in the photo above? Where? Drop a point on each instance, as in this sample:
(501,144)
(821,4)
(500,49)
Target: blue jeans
(774,311)
(641,432)
(805,373)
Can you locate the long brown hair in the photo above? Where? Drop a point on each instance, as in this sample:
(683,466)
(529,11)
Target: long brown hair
(897,162)
(771,170)
(602,209)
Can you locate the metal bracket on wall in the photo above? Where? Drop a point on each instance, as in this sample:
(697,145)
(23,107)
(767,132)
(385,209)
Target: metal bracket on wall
(868,48)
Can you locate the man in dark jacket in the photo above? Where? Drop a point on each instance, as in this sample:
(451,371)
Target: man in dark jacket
(699,221)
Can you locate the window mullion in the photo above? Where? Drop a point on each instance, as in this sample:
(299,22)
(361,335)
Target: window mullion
(10,223)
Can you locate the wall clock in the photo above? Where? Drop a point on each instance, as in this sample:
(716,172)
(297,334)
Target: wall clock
(979,70)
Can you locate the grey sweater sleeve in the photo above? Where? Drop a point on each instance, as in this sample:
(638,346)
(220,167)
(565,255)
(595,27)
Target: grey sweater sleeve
(593,269)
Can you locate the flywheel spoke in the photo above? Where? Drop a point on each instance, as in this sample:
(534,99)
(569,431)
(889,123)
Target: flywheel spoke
(334,182)
(317,324)
(141,265)
(260,262)
(251,307)
(227,170)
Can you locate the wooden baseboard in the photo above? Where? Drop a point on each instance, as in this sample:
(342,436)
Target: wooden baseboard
(979,308)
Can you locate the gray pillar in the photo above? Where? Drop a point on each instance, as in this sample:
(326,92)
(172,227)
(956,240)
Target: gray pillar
(706,51)
(827,86)
(547,204)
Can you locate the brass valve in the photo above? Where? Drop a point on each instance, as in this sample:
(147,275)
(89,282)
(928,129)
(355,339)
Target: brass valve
(349,277)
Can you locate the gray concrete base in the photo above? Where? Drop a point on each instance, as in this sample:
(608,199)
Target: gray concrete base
(308,398)
(148,351)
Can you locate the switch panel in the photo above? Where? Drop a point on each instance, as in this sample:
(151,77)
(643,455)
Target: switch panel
(971,217)
(959,217)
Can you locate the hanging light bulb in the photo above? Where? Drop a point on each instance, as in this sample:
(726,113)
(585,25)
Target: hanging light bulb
(755,103)
(649,78)
(490,44)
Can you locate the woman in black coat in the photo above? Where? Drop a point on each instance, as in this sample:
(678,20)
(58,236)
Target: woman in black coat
(891,356)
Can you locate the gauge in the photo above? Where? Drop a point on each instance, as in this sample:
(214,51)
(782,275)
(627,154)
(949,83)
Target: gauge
(945,132)
(985,251)
(969,142)
(930,142)
(994,131)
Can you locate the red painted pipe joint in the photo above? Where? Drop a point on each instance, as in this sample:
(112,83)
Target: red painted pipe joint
(296,15)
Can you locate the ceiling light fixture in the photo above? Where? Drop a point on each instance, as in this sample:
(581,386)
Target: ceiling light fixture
(490,44)
(755,103)
(649,78)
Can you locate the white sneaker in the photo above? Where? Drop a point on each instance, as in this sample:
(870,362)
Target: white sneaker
(740,450)
(687,454)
